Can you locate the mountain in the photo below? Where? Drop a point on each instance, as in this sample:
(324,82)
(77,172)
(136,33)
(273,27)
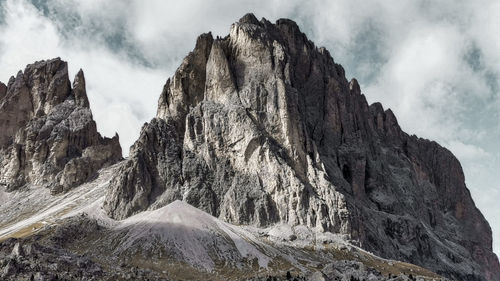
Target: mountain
(48,136)
(262,162)
(261,127)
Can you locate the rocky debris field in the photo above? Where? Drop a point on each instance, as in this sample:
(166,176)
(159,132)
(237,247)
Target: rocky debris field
(90,247)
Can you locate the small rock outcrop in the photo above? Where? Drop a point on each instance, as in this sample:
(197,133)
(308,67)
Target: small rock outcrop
(47,134)
(262,127)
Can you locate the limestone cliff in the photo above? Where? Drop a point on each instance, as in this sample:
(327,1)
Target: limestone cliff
(47,134)
(261,127)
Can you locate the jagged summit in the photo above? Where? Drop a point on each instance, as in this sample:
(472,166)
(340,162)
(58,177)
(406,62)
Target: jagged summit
(47,134)
(249,18)
(261,127)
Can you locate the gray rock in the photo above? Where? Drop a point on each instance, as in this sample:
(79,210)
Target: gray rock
(10,268)
(17,251)
(47,134)
(154,164)
(317,276)
(347,270)
(262,127)
(3,90)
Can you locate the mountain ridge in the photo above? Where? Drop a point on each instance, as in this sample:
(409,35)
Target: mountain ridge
(257,129)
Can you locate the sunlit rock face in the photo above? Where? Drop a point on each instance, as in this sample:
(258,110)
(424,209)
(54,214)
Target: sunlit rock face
(47,134)
(262,127)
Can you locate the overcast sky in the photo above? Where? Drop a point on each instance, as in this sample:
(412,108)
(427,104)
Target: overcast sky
(436,64)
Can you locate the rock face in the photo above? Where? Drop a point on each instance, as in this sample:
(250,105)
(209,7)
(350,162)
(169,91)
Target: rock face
(262,127)
(47,134)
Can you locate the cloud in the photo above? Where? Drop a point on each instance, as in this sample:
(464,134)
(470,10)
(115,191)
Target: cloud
(123,94)
(468,152)
(435,63)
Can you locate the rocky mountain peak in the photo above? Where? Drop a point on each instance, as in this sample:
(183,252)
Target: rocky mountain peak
(47,134)
(249,18)
(262,127)
(49,84)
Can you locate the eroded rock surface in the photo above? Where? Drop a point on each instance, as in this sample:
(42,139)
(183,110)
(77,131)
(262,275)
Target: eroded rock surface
(47,134)
(262,127)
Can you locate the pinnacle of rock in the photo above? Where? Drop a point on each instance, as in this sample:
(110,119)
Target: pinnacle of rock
(249,18)
(3,90)
(79,90)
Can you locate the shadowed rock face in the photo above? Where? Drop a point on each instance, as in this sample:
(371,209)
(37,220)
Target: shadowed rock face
(262,127)
(47,134)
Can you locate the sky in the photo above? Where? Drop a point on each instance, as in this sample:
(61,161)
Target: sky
(436,64)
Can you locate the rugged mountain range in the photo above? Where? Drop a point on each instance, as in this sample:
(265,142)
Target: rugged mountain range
(258,129)
(48,136)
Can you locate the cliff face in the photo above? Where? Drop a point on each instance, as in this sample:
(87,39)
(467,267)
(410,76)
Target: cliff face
(262,127)
(47,134)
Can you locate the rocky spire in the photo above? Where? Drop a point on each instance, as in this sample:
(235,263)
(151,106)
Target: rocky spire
(3,91)
(47,134)
(262,127)
(79,90)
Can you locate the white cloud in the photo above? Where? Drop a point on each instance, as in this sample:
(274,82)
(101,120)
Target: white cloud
(123,95)
(24,34)
(468,152)
(425,76)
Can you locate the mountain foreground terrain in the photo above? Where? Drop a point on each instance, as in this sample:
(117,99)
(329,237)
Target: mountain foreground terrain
(262,163)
